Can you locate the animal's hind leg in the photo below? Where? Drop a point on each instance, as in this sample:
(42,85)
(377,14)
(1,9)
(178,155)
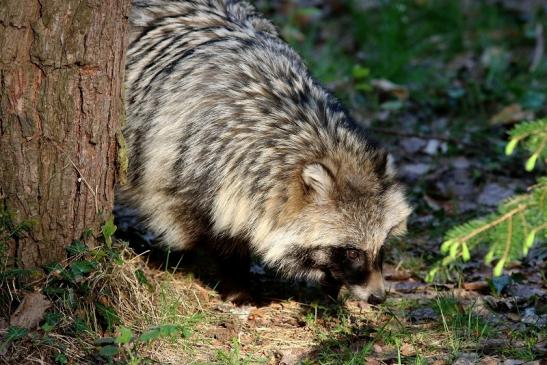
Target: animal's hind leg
(178,225)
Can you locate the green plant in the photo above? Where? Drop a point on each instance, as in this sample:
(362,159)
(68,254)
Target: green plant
(13,333)
(519,221)
(533,135)
(125,347)
(234,356)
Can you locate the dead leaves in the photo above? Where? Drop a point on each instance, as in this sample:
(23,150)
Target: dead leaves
(511,114)
(31,311)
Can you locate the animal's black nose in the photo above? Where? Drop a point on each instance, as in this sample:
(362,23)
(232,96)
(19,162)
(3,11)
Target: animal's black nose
(376,299)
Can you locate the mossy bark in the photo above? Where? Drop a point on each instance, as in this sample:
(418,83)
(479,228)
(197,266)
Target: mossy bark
(61,71)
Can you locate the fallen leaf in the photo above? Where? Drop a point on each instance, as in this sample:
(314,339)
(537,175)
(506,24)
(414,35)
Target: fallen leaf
(290,356)
(31,311)
(388,87)
(438,362)
(407,349)
(396,275)
(476,286)
(408,286)
(372,361)
(511,114)
(489,360)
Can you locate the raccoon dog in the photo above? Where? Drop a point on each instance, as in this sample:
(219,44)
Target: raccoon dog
(229,136)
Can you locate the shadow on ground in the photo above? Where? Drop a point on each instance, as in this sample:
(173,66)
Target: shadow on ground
(265,286)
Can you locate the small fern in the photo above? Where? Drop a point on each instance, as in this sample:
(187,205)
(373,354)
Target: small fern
(517,224)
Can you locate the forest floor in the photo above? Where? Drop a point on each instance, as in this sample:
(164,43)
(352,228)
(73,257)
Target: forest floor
(437,82)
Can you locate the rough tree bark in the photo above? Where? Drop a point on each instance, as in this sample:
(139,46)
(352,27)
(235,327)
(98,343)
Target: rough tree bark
(61,70)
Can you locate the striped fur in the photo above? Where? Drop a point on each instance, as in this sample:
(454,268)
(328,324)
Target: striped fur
(229,135)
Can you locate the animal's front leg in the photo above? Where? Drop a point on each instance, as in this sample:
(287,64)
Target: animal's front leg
(233,267)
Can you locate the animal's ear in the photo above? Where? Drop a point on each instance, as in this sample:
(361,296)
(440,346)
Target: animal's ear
(384,164)
(318,181)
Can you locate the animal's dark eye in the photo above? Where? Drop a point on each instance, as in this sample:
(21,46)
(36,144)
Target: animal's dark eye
(352,254)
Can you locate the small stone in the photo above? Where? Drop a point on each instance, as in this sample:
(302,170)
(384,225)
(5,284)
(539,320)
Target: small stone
(513,362)
(469,358)
(492,194)
(461,163)
(413,144)
(434,146)
(414,170)
(523,290)
(423,314)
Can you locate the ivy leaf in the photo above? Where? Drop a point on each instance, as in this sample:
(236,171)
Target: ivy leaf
(77,247)
(150,335)
(125,336)
(81,267)
(499,283)
(109,351)
(168,330)
(108,229)
(108,314)
(61,358)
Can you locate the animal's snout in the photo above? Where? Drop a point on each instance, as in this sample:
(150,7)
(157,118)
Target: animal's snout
(377,298)
(372,291)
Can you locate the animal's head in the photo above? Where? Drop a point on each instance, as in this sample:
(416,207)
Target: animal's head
(348,208)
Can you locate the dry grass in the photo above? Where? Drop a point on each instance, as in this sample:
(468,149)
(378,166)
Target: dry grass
(211,326)
(211,331)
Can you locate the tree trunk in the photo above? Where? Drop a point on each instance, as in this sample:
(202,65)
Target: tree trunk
(61,72)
